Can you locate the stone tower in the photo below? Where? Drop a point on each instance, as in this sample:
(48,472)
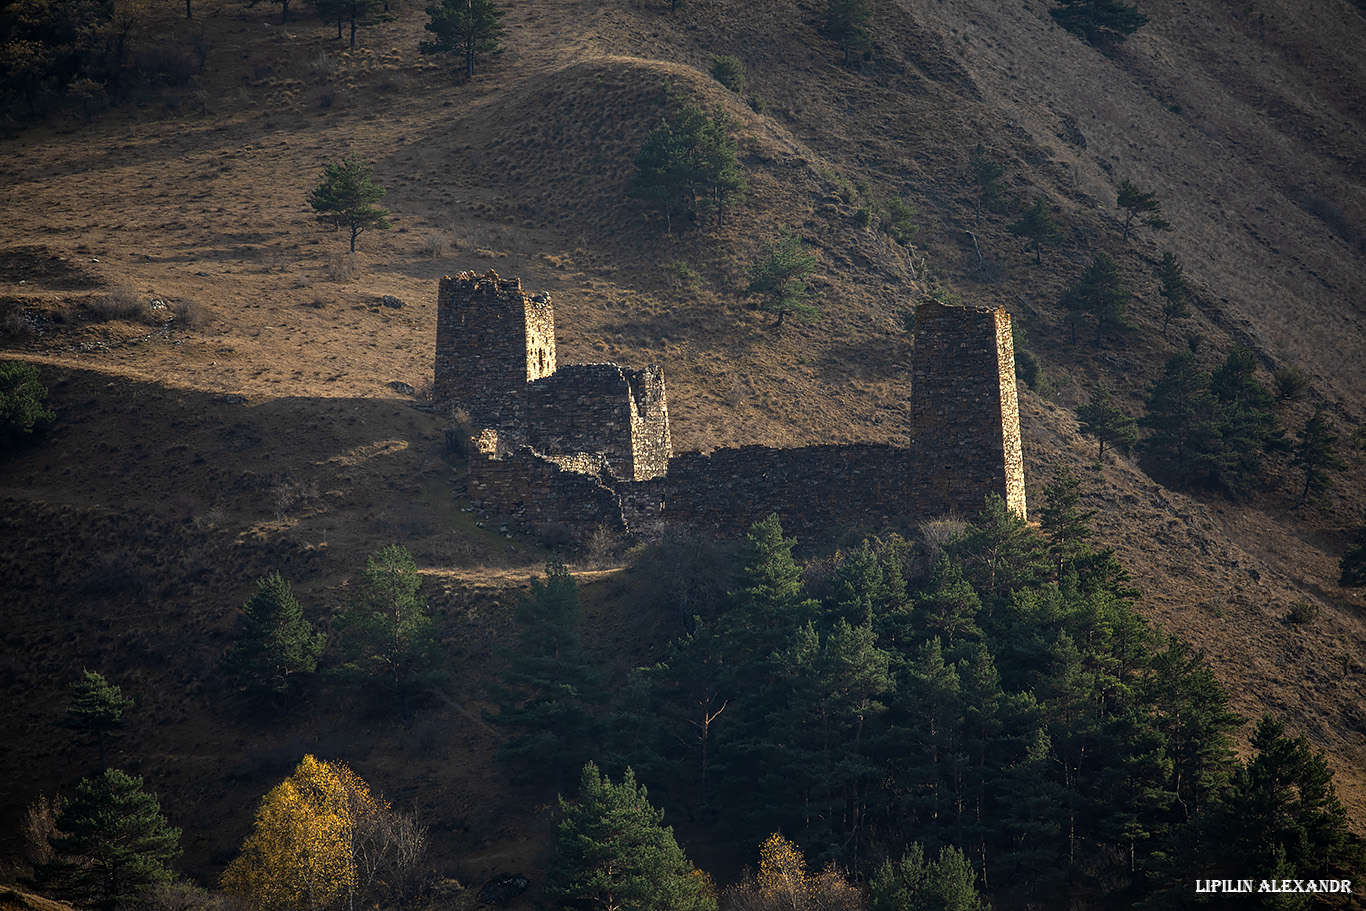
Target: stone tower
(492,339)
(965,412)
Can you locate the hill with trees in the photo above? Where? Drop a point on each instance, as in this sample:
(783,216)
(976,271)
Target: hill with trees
(232,394)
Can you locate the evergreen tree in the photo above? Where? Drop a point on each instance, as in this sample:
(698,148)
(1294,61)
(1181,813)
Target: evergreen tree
(1181,415)
(544,694)
(1103,419)
(986,174)
(1316,455)
(1101,23)
(1038,227)
(386,635)
(1000,552)
(1246,424)
(1140,205)
(780,274)
(21,404)
(769,600)
(1175,290)
(464,28)
(914,884)
(689,164)
(611,851)
(1064,523)
(112,845)
(846,23)
(1352,567)
(346,197)
(1283,808)
(1099,293)
(97,707)
(276,646)
(356,13)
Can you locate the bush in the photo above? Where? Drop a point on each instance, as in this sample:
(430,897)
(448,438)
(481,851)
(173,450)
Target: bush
(729,71)
(1302,612)
(1291,383)
(21,403)
(191,314)
(121,302)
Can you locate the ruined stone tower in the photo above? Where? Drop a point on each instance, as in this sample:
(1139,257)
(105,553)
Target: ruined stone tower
(965,412)
(492,339)
(495,358)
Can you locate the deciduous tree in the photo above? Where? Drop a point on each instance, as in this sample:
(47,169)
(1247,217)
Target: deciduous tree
(346,197)
(112,844)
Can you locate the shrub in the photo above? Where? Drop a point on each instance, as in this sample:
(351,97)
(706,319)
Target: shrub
(121,302)
(728,70)
(191,314)
(1302,612)
(1291,383)
(21,403)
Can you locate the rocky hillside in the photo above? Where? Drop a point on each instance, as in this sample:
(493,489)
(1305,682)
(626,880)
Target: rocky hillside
(261,428)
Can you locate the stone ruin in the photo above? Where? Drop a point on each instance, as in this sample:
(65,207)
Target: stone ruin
(587,446)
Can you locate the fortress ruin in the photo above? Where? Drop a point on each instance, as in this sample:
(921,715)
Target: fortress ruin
(588,445)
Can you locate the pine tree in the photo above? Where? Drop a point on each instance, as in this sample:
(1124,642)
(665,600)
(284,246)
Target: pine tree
(1101,23)
(545,693)
(611,852)
(1316,455)
(689,164)
(1001,553)
(346,197)
(779,273)
(386,635)
(1063,521)
(1181,415)
(1099,293)
(769,600)
(276,646)
(986,174)
(112,844)
(914,884)
(355,12)
(1140,205)
(846,23)
(1103,419)
(465,29)
(1038,227)
(1352,567)
(21,403)
(1175,290)
(97,707)
(1245,423)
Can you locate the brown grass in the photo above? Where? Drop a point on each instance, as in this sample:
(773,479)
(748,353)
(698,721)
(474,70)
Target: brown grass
(174,457)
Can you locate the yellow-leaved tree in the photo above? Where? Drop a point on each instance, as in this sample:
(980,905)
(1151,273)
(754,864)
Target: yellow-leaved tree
(784,885)
(321,841)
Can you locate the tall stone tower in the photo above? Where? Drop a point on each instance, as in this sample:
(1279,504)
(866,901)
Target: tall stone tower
(492,339)
(965,412)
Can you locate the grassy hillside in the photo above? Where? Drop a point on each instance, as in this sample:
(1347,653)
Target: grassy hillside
(259,430)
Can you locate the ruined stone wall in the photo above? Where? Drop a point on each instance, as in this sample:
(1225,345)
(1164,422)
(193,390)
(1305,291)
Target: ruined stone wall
(491,340)
(812,488)
(537,493)
(603,408)
(965,426)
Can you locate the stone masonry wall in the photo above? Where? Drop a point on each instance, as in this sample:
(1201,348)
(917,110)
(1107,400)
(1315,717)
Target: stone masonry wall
(491,340)
(589,446)
(964,406)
